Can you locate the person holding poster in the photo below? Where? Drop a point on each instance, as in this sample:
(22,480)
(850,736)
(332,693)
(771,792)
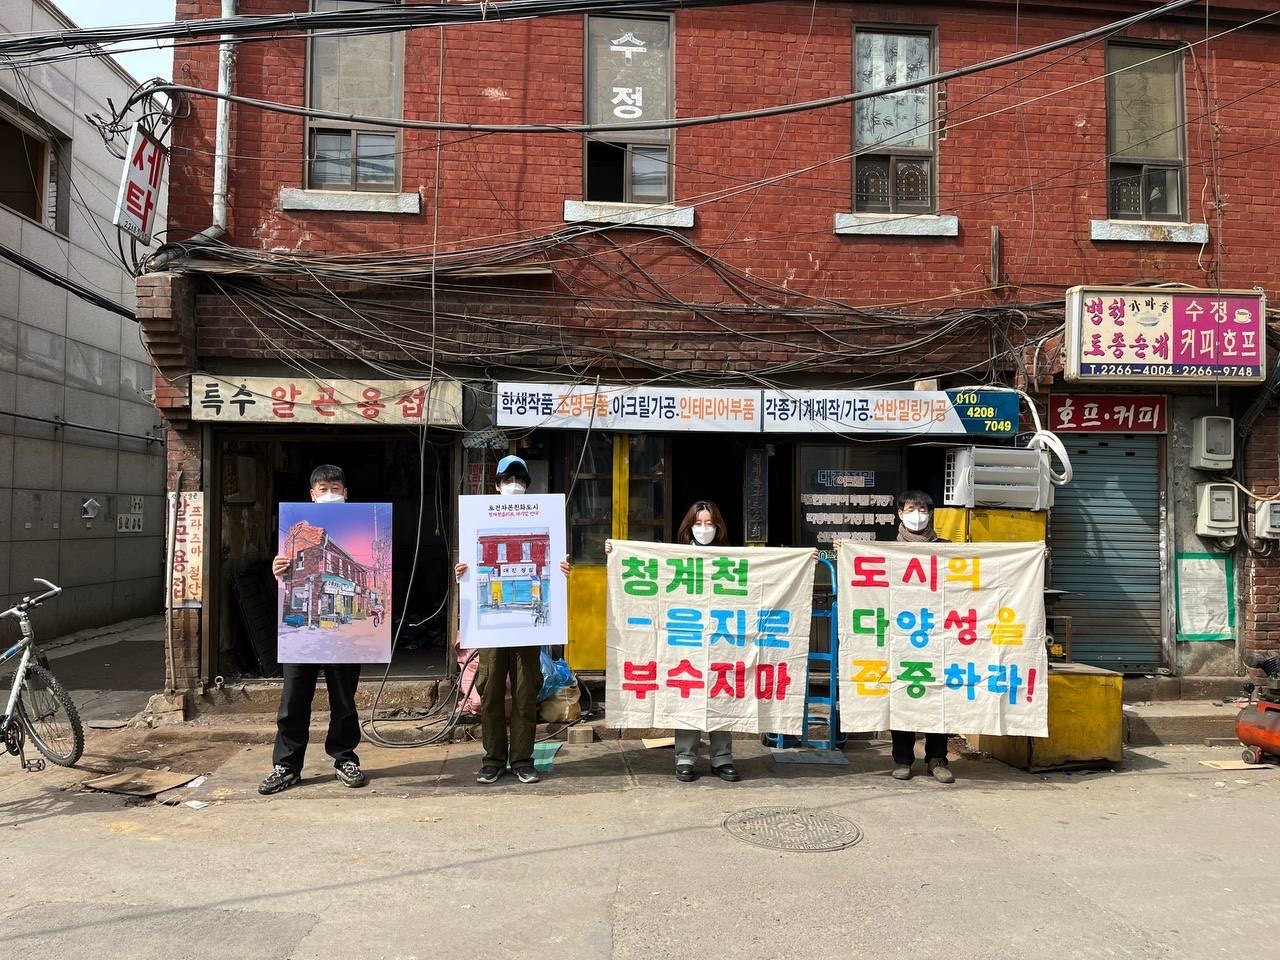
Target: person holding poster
(509,746)
(328,485)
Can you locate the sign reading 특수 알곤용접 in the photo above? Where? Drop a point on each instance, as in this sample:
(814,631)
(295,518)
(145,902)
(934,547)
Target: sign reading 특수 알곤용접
(708,638)
(301,400)
(1174,335)
(943,638)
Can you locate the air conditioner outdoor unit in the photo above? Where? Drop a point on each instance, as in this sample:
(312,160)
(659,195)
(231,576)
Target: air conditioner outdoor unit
(1012,477)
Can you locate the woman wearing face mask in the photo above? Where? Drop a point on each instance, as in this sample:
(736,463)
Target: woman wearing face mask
(702,526)
(915,525)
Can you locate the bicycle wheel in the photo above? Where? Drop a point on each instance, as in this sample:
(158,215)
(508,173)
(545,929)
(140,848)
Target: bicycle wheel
(50,717)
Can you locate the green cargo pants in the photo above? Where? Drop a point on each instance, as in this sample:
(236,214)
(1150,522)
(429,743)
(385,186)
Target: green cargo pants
(521,664)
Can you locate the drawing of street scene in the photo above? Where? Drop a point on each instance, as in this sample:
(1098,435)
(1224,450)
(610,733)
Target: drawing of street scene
(335,598)
(512,580)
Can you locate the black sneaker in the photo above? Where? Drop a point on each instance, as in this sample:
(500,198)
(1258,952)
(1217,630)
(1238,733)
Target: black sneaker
(280,778)
(488,774)
(349,772)
(526,774)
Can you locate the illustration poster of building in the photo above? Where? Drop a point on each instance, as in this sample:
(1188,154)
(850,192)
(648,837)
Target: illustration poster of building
(335,597)
(513,593)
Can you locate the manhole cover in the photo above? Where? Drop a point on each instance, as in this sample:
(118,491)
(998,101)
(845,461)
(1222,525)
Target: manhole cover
(793,828)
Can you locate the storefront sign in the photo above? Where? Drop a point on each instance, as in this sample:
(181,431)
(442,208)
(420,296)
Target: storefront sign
(617,407)
(943,638)
(1123,334)
(708,638)
(285,400)
(1105,413)
(140,191)
(187,586)
(988,413)
(512,604)
(755,496)
(840,502)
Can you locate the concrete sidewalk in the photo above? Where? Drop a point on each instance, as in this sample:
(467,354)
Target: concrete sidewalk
(609,857)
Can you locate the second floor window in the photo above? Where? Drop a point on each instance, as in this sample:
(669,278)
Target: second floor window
(893,137)
(360,75)
(1146,145)
(33,174)
(629,78)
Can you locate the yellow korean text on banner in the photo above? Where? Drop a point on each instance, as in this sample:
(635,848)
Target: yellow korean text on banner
(943,638)
(708,638)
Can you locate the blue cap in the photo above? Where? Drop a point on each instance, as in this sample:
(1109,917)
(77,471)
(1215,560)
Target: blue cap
(506,463)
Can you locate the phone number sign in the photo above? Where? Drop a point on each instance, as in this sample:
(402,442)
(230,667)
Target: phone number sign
(1123,334)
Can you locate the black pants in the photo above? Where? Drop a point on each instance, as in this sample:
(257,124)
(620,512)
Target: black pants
(904,746)
(524,668)
(295,712)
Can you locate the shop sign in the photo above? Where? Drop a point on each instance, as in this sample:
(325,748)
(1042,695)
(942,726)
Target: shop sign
(187,586)
(988,413)
(302,400)
(1124,334)
(1108,413)
(518,570)
(839,502)
(943,638)
(621,407)
(755,496)
(139,197)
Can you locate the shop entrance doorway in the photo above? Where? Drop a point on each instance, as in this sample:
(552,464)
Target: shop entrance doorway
(708,466)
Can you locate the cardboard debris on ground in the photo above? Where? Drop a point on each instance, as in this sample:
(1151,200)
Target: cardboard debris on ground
(656,743)
(829,757)
(1236,765)
(140,782)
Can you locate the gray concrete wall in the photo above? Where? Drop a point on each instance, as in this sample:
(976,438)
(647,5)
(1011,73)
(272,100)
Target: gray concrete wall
(62,358)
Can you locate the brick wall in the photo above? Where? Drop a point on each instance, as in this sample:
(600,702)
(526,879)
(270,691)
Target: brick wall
(1261,628)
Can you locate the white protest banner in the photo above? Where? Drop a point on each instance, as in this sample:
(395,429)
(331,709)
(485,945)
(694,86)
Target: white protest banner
(708,638)
(943,638)
(513,593)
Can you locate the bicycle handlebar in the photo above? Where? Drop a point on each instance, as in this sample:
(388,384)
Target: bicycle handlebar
(31,602)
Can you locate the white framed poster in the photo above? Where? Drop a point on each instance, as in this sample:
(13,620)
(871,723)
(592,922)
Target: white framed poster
(513,593)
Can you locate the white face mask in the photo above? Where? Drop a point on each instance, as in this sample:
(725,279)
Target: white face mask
(915,520)
(511,488)
(330,498)
(703,533)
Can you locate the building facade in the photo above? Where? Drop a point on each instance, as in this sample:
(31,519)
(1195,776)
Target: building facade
(323,583)
(82,487)
(796,313)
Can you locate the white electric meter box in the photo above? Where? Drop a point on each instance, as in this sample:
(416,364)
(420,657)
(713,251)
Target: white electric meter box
(1013,477)
(1217,510)
(1266,520)
(1212,443)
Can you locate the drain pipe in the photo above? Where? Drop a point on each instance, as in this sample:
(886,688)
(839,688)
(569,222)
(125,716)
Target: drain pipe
(171,671)
(221,150)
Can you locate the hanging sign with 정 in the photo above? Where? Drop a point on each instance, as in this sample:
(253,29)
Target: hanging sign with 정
(139,196)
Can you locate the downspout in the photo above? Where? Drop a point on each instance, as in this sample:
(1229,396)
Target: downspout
(221,149)
(171,671)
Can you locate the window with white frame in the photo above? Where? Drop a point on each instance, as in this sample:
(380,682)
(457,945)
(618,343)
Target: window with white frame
(1146,139)
(629,78)
(894,167)
(361,76)
(33,170)
(502,552)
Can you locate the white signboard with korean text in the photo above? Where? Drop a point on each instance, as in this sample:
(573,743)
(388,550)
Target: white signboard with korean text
(187,586)
(621,407)
(992,413)
(301,400)
(140,186)
(513,593)
(1172,335)
(943,638)
(708,638)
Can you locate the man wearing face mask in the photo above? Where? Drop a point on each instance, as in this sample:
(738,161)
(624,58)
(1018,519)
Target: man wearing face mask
(915,525)
(511,747)
(328,485)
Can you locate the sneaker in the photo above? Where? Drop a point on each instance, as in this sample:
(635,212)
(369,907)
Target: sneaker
(902,771)
(941,772)
(349,772)
(280,778)
(526,774)
(488,774)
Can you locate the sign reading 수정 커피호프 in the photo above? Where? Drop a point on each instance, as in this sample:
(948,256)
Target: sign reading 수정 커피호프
(1175,335)
(708,638)
(943,638)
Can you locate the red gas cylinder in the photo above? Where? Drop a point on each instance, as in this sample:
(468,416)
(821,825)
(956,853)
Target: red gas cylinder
(1258,727)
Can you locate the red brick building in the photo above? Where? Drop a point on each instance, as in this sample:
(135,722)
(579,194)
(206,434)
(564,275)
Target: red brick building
(323,581)
(923,238)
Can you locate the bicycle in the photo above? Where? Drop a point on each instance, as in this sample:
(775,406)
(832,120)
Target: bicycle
(39,706)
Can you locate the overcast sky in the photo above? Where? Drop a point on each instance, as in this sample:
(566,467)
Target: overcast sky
(143,64)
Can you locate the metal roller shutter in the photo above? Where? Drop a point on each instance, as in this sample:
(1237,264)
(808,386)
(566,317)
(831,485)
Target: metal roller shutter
(1106,551)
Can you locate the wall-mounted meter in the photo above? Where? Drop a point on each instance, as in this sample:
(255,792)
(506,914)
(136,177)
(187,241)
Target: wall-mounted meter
(1217,510)
(1266,520)
(1212,443)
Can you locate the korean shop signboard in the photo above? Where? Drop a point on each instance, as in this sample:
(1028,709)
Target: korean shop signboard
(622,407)
(1170,335)
(300,400)
(139,196)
